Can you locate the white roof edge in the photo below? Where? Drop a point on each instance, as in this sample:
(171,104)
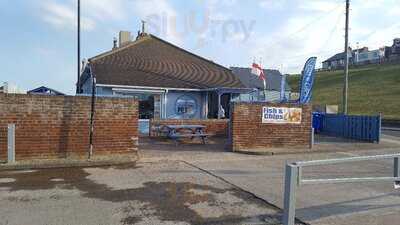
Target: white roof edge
(147,87)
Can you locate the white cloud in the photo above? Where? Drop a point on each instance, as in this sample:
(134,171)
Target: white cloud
(272,4)
(319,5)
(105,9)
(302,36)
(161,13)
(64,16)
(317,29)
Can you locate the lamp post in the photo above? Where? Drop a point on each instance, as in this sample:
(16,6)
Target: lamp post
(78,47)
(346,61)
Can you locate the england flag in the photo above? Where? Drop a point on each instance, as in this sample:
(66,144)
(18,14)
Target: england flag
(258,71)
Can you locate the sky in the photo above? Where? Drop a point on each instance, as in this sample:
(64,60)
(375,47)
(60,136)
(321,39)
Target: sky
(38,37)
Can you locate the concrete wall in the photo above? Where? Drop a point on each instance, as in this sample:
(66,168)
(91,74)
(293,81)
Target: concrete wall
(58,126)
(248,133)
(218,127)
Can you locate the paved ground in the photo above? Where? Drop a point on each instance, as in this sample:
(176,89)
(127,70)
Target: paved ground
(146,193)
(202,184)
(395,132)
(367,203)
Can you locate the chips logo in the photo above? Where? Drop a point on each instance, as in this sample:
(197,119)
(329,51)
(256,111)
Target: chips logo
(281,115)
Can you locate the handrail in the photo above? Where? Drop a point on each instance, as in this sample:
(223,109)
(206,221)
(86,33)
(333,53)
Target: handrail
(293,179)
(343,160)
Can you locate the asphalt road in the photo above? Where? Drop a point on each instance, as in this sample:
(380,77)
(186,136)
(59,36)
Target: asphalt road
(392,132)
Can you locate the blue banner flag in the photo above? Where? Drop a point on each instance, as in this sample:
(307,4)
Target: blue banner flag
(307,80)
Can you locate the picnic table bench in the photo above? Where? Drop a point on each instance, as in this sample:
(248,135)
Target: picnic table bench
(176,132)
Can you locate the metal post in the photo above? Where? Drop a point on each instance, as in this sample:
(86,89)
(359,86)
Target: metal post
(346,62)
(283,88)
(379,128)
(396,172)
(11,143)
(219,106)
(291,182)
(79,46)
(312,137)
(92,112)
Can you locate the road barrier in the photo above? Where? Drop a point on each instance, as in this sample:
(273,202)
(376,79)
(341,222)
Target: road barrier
(294,179)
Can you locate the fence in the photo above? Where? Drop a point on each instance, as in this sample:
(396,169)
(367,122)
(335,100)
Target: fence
(364,128)
(294,179)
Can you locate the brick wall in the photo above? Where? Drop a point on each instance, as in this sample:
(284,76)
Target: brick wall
(248,133)
(58,126)
(218,127)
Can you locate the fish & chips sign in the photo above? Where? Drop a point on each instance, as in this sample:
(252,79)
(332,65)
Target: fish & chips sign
(281,115)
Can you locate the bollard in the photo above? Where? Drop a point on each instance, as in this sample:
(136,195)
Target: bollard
(11,143)
(396,169)
(291,182)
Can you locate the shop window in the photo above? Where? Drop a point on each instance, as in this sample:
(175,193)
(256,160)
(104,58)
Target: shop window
(185,107)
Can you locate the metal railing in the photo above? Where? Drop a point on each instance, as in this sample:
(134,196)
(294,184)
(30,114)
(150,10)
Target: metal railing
(294,179)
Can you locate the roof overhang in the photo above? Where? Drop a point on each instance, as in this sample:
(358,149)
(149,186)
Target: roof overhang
(220,90)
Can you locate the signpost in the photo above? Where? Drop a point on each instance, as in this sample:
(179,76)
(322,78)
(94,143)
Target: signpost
(282,115)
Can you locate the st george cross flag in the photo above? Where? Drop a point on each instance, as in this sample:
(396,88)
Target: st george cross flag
(258,71)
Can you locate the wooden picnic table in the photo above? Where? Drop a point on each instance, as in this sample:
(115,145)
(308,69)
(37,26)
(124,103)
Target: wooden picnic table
(177,132)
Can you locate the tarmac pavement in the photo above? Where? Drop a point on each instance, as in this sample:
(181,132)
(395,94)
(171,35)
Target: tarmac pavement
(375,203)
(203,184)
(165,193)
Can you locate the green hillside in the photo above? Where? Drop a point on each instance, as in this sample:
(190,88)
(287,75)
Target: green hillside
(372,89)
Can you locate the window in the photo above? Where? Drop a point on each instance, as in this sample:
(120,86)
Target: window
(185,106)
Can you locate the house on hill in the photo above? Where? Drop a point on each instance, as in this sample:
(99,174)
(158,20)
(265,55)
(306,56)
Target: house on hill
(337,61)
(396,46)
(168,81)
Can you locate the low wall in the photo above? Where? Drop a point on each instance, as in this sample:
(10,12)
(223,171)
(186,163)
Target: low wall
(249,134)
(50,127)
(218,127)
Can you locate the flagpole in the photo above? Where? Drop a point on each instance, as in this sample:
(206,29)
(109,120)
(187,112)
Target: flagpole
(264,82)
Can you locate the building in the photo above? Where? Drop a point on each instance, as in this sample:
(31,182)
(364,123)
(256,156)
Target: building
(359,56)
(273,85)
(337,61)
(11,89)
(44,91)
(169,81)
(364,56)
(396,46)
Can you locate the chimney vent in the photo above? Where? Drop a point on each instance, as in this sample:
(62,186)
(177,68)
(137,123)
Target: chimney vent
(124,38)
(143,27)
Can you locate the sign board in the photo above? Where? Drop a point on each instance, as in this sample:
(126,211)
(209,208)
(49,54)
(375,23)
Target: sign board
(281,115)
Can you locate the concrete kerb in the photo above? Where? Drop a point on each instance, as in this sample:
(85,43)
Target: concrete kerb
(67,163)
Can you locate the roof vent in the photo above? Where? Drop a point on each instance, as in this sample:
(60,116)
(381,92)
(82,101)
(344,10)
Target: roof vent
(115,46)
(124,38)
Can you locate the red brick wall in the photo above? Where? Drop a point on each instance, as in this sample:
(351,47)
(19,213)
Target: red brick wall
(248,133)
(58,126)
(218,127)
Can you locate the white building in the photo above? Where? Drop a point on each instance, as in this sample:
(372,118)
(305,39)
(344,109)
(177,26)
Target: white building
(11,89)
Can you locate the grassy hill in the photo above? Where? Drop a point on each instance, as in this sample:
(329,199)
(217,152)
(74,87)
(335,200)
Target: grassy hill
(372,89)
